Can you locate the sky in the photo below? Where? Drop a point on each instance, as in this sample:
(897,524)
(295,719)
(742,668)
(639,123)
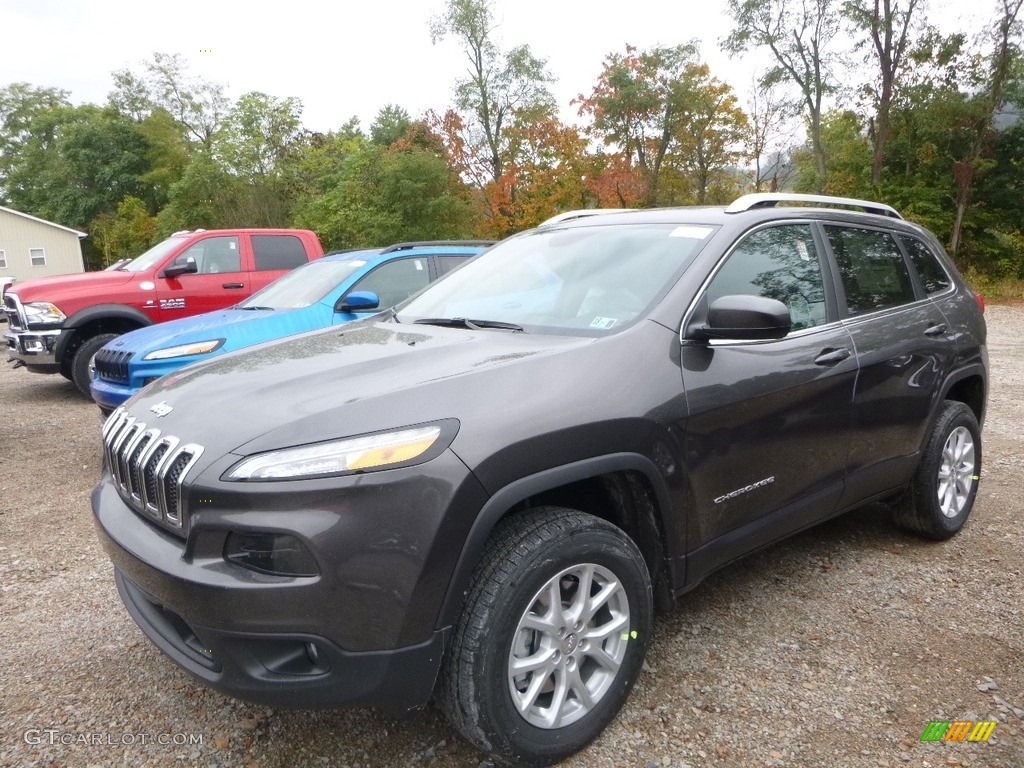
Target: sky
(349,59)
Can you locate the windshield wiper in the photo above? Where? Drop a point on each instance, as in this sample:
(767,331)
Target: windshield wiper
(256,309)
(463,322)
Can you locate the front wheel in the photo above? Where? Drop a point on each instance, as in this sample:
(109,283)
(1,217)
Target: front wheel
(552,636)
(83,367)
(943,491)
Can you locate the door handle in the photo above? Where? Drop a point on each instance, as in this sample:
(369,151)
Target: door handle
(233,285)
(832,356)
(936,330)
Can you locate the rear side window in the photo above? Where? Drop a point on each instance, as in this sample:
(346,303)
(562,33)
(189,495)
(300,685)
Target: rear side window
(277,252)
(933,276)
(872,268)
(447,263)
(778,263)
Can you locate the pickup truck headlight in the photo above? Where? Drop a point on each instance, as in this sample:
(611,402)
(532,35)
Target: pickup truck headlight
(338,456)
(43,313)
(183,350)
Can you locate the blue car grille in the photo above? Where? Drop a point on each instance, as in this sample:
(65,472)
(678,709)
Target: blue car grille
(112,365)
(148,469)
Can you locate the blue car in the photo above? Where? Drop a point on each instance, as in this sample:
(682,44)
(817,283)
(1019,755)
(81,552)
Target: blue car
(337,288)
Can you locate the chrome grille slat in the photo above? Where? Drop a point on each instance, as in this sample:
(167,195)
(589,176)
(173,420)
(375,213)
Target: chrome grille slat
(149,468)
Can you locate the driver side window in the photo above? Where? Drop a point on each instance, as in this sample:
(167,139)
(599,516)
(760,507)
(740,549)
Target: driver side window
(777,263)
(215,255)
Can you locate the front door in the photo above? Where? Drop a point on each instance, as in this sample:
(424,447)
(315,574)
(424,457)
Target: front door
(766,435)
(222,279)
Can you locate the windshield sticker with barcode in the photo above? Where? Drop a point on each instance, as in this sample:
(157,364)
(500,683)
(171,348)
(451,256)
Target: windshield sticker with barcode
(603,322)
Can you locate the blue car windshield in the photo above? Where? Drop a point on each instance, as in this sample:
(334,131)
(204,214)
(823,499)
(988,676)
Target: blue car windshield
(588,280)
(304,285)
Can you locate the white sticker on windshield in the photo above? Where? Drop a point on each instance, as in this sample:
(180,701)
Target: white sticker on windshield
(697,233)
(603,322)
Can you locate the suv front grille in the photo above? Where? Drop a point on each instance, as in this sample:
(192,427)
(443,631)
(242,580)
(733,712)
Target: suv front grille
(149,468)
(112,365)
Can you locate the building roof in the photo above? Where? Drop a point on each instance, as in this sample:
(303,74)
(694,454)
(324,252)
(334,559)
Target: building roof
(44,221)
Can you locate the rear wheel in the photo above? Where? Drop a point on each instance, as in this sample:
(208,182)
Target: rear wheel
(83,363)
(941,497)
(552,637)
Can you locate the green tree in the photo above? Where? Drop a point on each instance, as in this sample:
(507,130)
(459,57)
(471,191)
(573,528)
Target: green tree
(798,33)
(390,125)
(124,234)
(257,134)
(25,112)
(500,87)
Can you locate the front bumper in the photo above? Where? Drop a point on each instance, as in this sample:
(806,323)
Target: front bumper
(34,349)
(363,631)
(110,394)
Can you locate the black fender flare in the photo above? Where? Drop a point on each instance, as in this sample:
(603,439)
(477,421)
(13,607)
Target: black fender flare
(94,313)
(498,505)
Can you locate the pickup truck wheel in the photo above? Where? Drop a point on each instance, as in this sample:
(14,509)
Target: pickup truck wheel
(552,636)
(82,364)
(943,491)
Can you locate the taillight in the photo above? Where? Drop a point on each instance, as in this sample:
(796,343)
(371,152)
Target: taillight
(981,302)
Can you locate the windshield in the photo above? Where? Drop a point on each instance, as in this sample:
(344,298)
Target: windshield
(588,280)
(153,256)
(304,285)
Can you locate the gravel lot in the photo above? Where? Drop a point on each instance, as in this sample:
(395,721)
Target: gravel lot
(835,648)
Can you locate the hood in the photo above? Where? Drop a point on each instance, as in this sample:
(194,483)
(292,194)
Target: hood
(64,287)
(241,328)
(364,377)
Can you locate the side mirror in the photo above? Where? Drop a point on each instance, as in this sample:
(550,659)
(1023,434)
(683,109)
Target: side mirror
(182,266)
(358,301)
(743,318)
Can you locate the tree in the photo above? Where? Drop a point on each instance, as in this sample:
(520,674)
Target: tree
(390,125)
(889,28)
(768,112)
(499,88)
(125,234)
(1005,32)
(25,112)
(257,134)
(798,33)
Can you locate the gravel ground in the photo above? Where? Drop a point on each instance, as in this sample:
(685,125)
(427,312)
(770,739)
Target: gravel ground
(835,648)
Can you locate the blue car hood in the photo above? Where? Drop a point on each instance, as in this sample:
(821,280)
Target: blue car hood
(240,328)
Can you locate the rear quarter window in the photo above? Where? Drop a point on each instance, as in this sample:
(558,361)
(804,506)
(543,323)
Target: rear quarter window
(933,276)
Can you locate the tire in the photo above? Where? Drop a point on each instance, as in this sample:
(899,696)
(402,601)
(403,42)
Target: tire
(508,616)
(82,361)
(942,493)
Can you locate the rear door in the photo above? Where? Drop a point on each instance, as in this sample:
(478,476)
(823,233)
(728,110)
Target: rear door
(768,420)
(904,347)
(223,279)
(273,256)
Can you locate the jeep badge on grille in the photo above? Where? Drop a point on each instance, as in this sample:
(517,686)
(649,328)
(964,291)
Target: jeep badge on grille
(161,408)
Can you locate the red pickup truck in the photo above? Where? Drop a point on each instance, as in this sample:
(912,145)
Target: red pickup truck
(57,324)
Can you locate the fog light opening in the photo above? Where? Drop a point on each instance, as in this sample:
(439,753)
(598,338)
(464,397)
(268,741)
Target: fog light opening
(277,554)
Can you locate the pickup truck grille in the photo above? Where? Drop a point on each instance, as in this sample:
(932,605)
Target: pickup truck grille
(149,468)
(112,365)
(12,308)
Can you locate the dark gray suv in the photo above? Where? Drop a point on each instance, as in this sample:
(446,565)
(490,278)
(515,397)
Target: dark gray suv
(487,491)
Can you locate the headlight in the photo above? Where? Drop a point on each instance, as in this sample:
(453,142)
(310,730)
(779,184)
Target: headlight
(338,456)
(44,313)
(182,350)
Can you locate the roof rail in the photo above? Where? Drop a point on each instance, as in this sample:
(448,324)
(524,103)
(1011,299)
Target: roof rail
(580,214)
(442,243)
(772,199)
